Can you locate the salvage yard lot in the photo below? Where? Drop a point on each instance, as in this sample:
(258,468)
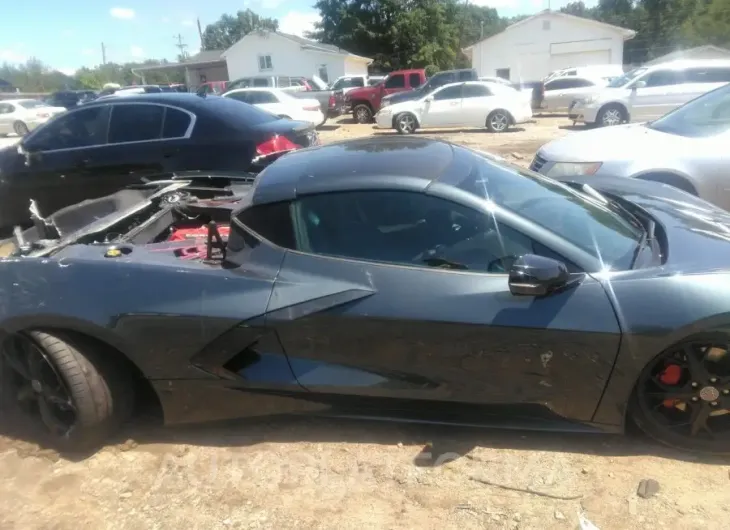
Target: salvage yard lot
(338,474)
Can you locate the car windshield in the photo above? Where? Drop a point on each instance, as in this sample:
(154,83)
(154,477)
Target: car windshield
(618,82)
(707,115)
(32,104)
(582,220)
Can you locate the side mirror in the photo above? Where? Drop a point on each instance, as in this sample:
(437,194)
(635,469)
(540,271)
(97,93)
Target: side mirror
(639,84)
(532,275)
(428,99)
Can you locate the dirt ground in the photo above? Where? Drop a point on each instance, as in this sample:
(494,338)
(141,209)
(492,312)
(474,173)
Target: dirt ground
(341,474)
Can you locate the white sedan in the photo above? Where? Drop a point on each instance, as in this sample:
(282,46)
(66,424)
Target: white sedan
(20,116)
(471,104)
(278,102)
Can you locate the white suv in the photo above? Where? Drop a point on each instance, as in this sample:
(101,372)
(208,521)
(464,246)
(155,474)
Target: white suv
(649,92)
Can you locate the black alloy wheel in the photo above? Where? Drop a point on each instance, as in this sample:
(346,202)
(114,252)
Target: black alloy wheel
(37,386)
(682,398)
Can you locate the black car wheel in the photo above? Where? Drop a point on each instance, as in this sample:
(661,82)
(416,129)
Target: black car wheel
(498,121)
(74,395)
(20,128)
(406,123)
(682,398)
(362,113)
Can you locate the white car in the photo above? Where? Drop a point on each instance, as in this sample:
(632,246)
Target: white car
(278,102)
(561,92)
(20,116)
(686,149)
(469,104)
(649,92)
(594,71)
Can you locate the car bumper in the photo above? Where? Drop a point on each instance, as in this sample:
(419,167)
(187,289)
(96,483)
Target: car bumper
(579,112)
(384,120)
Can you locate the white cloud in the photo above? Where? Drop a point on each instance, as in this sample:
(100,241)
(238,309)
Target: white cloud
(188,22)
(12,55)
(298,22)
(497,4)
(136,52)
(122,12)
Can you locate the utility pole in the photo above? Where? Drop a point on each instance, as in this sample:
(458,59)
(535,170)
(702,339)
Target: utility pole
(181,45)
(103,53)
(200,34)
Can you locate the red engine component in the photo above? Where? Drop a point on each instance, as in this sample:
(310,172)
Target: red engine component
(196,233)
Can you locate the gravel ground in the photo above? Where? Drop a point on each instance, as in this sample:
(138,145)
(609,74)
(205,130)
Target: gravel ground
(337,474)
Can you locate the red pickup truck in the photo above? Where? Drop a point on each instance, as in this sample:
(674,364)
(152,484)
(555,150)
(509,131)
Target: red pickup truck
(365,101)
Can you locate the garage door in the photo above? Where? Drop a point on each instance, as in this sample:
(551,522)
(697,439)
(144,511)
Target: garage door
(570,60)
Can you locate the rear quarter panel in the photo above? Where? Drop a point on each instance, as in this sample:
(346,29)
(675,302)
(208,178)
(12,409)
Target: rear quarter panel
(656,311)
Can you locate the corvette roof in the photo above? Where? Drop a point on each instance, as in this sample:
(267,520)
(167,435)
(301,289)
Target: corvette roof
(395,161)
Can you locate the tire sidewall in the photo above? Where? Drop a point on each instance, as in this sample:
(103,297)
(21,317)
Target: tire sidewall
(356,114)
(492,115)
(604,110)
(398,126)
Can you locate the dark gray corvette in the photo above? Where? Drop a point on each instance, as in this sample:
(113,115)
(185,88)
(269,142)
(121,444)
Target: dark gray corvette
(395,278)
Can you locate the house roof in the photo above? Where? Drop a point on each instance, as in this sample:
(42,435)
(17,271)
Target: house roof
(679,54)
(626,33)
(306,44)
(199,59)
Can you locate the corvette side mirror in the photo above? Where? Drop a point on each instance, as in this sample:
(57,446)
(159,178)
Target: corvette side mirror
(532,275)
(639,84)
(429,99)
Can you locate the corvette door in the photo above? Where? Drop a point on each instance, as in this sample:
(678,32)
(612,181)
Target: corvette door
(368,309)
(443,108)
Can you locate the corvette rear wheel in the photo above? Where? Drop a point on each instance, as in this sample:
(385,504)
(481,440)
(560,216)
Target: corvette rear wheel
(70,394)
(682,398)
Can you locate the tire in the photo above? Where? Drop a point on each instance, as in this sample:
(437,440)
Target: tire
(612,114)
(20,128)
(95,388)
(671,180)
(656,421)
(362,113)
(498,121)
(405,123)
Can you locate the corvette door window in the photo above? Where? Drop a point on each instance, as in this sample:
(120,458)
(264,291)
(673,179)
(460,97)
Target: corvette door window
(272,222)
(80,128)
(406,228)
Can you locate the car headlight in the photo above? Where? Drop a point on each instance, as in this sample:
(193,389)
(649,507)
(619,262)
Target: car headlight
(573,169)
(587,100)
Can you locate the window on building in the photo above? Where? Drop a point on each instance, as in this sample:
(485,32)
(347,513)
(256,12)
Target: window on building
(265,63)
(503,73)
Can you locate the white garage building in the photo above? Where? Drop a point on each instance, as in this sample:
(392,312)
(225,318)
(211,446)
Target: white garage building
(273,53)
(532,48)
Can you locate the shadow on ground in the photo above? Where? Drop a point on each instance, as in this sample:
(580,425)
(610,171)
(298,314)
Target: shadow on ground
(440,443)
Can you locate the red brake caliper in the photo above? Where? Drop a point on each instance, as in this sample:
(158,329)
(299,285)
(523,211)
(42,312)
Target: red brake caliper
(671,376)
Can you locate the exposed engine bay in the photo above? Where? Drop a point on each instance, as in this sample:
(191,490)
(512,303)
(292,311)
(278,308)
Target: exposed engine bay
(190,221)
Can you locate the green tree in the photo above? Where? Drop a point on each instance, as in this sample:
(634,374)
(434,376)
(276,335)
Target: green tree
(229,29)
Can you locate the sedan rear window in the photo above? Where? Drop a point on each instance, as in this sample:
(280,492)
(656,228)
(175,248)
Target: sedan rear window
(32,104)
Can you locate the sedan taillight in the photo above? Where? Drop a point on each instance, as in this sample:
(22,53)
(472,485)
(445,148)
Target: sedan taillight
(276,144)
(332,102)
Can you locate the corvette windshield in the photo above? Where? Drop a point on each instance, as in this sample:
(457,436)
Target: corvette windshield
(577,218)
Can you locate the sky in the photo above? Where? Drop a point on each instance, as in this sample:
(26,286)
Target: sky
(68,35)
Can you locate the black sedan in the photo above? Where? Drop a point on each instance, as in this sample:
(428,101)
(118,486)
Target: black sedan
(394,278)
(100,147)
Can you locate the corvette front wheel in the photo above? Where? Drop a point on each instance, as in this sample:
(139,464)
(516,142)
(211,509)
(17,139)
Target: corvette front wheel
(682,398)
(70,393)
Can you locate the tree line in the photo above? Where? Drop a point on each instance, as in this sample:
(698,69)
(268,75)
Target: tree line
(417,33)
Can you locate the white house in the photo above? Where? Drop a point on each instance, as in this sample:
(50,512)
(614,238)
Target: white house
(532,48)
(263,52)
(700,52)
